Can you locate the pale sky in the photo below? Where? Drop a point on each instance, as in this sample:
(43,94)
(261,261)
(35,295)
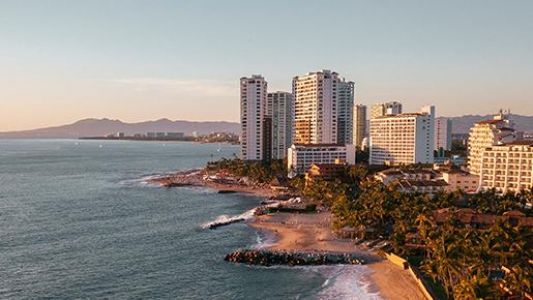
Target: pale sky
(61,61)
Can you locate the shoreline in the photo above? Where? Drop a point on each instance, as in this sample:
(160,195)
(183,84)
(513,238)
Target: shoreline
(306,232)
(312,233)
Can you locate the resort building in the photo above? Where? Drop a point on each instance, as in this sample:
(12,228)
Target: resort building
(485,134)
(279,107)
(359,131)
(402,139)
(300,157)
(322,108)
(507,168)
(385,109)
(443,134)
(253,111)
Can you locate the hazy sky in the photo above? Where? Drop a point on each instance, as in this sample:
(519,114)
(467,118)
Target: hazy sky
(61,61)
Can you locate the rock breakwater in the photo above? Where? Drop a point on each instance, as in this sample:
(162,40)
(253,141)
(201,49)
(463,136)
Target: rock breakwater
(269,258)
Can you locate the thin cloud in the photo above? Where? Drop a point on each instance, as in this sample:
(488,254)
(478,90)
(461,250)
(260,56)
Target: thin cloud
(206,88)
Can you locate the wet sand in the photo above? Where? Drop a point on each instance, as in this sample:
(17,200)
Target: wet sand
(312,232)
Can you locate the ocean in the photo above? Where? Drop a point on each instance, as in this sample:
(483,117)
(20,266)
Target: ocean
(77,220)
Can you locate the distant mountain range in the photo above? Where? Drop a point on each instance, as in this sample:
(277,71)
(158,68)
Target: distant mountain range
(464,123)
(102,127)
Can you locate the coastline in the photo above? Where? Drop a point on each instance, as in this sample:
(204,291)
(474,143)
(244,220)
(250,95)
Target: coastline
(306,232)
(312,233)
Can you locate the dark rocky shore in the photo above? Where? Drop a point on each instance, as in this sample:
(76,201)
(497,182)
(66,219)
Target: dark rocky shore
(270,258)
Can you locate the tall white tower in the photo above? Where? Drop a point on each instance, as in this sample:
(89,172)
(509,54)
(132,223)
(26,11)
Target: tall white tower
(253,111)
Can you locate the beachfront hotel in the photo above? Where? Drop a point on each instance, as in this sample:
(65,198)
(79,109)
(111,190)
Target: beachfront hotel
(323,108)
(253,112)
(485,134)
(402,139)
(279,107)
(300,157)
(359,131)
(443,134)
(508,167)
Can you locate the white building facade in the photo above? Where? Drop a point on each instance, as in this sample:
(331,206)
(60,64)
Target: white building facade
(279,107)
(402,139)
(316,108)
(301,157)
(253,110)
(507,168)
(485,134)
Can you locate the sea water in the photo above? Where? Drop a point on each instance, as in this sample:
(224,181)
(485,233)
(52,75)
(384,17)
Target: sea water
(77,220)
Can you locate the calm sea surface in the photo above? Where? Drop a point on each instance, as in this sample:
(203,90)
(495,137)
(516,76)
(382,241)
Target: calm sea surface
(77,221)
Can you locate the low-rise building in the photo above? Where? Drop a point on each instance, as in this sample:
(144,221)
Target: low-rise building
(300,157)
(324,171)
(507,168)
(422,186)
(390,175)
(460,180)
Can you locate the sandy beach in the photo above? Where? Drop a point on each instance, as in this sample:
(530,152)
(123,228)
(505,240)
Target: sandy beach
(312,232)
(309,232)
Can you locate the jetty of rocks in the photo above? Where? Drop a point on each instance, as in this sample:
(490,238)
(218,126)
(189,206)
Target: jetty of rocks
(264,257)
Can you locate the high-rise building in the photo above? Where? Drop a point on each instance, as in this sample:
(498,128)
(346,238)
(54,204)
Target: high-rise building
(402,139)
(316,108)
(359,131)
(485,134)
(443,134)
(507,167)
(345,104)
(253,111)
(279,107)
(385,109)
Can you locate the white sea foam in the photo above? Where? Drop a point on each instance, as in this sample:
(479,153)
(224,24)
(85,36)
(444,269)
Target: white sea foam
(347,282)
(225,219)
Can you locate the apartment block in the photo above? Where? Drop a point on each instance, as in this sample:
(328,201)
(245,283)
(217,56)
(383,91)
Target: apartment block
(253,110)
(323,103)
(279,107)
(485,134)
(508,167)
(359,131)
(443,134)
(402,139)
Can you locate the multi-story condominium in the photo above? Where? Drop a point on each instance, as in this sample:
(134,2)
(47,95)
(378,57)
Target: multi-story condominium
(443,134)
(316,108)
(402,139)
(345,104)
(279,107)
(253,111)
(508,167)
(301,156)
(385,109)
(486,134)
(359,130)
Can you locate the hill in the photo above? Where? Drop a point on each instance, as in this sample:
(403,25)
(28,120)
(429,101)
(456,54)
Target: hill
(464,123)
(102,127)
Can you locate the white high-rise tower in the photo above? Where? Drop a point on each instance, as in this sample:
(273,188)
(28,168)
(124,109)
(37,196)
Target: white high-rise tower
(253,111)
